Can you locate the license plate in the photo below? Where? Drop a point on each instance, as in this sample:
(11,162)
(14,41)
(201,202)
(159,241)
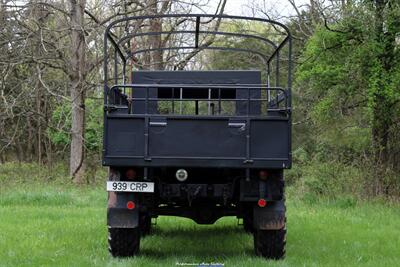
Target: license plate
(119,186)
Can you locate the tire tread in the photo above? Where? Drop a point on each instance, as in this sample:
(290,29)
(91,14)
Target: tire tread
(123,242)
(270,243)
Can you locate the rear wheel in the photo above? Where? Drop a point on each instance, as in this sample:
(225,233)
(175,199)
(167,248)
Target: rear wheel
(123,242)
(270,243)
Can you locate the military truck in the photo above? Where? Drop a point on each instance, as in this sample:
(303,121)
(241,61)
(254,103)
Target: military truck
(196,143)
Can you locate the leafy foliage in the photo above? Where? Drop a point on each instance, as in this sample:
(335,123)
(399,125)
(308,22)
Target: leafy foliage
(348,87)
(61,120)
(331,79)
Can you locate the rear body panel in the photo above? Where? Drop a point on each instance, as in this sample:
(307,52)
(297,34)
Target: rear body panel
(197,142)
(242,139)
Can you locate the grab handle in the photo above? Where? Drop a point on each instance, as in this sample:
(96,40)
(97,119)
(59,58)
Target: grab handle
(158,123)
(237,124)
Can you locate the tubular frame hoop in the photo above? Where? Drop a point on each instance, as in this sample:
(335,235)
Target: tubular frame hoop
(196,19)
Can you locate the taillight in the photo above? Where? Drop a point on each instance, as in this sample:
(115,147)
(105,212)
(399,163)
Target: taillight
(130,205)
(263,175)
(130,174)
(262,203)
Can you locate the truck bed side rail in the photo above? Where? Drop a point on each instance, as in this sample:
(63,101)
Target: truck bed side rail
(202,100)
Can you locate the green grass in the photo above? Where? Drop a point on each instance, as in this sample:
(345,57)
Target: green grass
(61,225)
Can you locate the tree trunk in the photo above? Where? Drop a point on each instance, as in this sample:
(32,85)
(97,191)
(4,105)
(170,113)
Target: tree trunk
(381,120)
(77,90)
(155,40)
(382,117)
(39,122)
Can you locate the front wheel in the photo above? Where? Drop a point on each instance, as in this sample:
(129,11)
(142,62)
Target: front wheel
(248,224)
(145,224)
(123,242)
(270,243)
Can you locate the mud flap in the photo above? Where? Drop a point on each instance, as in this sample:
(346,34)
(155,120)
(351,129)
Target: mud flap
(271,217)
(118,215)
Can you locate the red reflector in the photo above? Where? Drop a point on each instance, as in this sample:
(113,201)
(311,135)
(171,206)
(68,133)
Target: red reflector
(262,203)
(263,175)
(130,174)
(130,205)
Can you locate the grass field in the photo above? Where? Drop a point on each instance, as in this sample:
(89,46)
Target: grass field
(60,225)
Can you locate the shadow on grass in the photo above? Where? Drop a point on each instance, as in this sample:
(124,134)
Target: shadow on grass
(197,242)
(198,230)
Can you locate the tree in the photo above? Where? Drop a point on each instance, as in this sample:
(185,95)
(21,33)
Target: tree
(77,76)
(52,55)
(384,89)
(350,77)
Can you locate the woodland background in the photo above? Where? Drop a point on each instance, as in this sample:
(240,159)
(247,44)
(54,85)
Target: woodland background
(346,92)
